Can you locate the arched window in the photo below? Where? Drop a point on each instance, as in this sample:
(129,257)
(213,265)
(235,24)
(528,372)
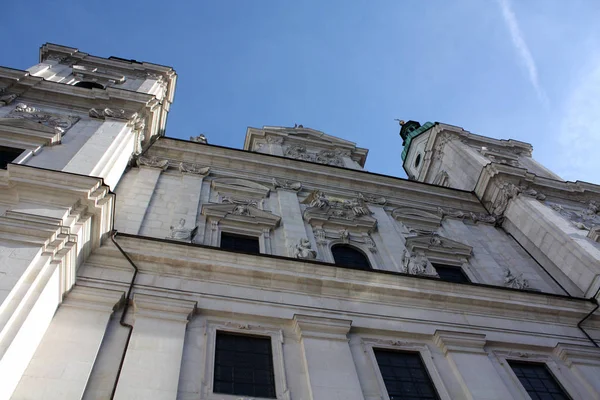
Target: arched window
(348,256)
(89,85)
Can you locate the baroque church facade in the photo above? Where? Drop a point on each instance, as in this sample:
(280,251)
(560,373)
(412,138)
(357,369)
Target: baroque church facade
(138,266)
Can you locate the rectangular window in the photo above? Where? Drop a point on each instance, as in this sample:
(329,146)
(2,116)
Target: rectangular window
(405,375)
(244,365)
(450,273)
(247,244)
(8,155)
(538,381)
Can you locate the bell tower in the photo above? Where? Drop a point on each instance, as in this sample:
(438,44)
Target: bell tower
(557,220)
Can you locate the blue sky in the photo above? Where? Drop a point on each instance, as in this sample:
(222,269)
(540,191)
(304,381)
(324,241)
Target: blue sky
(527,70)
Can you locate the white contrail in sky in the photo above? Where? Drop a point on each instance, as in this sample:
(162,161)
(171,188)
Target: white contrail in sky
(521,47)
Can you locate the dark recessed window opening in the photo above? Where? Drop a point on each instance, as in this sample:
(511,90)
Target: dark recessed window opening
(244,366)
(89,85)
(418,160)
(405,375)
(8,155)
(247,244)
(538,381)
(348,256)
(451,274)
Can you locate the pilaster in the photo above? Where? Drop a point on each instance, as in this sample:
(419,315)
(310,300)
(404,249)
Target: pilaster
(153,360)
(584,363)
(327,357)
(471,365)
(291,215)
(63,361)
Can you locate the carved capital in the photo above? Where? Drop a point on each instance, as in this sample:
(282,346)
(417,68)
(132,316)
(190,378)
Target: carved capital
(153,162)
(195,169)
(287,185)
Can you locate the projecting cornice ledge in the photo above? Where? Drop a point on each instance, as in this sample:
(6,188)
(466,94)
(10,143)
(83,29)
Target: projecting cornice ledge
(209,264)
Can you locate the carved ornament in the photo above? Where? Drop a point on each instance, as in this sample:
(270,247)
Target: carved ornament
(475,217)
(193,169)
(287,185)
(60,123)
(275,140)
(372,199)
(153,162)
(6,98)
(584,219)
(416,264)
(329,157)
(507,192)
(298,152)
(110,113)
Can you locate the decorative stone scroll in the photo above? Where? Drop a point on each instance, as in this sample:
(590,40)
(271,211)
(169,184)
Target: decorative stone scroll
(60,123)
(531,192)
(180,232)
(372,199)
(195,169)
(110,113)
(287,185)
(153,162)
(515,281)
(475,217)
(241,202)
(303,250)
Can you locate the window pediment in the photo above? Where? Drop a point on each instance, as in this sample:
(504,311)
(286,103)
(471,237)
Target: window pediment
(417,219)
(241,213)
(240,188)
(438,248)
(325,211)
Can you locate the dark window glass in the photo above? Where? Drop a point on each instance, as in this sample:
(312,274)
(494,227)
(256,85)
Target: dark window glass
(347,256)
(244,366)
(405,375)
(451,274)
(89,85)
(247,244)
(538,381)
(8,155)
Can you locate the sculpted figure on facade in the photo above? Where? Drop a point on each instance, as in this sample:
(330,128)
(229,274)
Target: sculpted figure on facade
(298,152)
(507,192)
(199,139)
(275,140)
(415,264)
(193,169)
(180,232)
(287,185)
(584,219)
(357,206)
(6,98)
(329,157)
(109,112)
(303,250)
(344,235)
(241,209)
(318,199)
(531,192)
(153,162)
(515,281)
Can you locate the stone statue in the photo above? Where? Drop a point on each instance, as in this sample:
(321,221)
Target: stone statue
(180,232)
(241,209)
(515,281)
(319,200)
(304,250)
(415,264)
(357,206)
(199,139)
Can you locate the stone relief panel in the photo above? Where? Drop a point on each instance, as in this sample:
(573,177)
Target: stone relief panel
(417,264)
(328,157)
(515,281)
(336,212)
(303,250)
(587,218)
(181,233)
(60,123)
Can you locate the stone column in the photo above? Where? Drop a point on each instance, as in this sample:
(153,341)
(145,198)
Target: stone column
(327,357)
(291,217)
(151,366)
(584,363)
(472,367)
(63,361)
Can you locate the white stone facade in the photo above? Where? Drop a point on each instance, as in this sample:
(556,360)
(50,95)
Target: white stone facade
(113,283)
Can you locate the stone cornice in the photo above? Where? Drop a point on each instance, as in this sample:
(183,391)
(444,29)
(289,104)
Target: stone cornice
(571,354)
(91,298)
(192,262)
(319,176)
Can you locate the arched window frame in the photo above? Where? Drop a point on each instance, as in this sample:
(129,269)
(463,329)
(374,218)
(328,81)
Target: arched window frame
(352,246)
(358,246)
